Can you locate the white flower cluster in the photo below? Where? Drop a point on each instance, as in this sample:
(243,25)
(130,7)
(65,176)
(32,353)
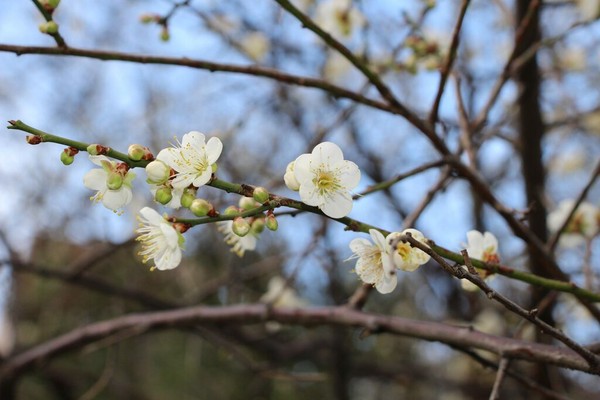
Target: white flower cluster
(377,262)
(483,247)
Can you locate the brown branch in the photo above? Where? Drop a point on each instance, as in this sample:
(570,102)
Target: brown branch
(260,313)
(447,67)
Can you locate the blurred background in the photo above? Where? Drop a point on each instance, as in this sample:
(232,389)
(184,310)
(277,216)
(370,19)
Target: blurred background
(67,262)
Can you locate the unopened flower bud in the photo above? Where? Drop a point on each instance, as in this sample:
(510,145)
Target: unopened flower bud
(231,210)
(258,225)
(157,172)
(240,226)
(164,34)
(148,18)
(247,203)
(136,152)
(49,5)
(271,223)
(200,207)
(114,180)
(49,27)
(260,194)
(66,158)
(290,178)
(33,139)
(97,149)
(188,196)
(163,195)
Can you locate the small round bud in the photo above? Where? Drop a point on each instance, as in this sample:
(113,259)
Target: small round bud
(258,225)
(260,194)
(66,158)
(94,149)
(33,139)
(240,226)
(231,210)
(136,152)
(247,203)
(189,195)
(49,27)
(49,5)
(290,178)
(164,34)
(271,223)
(163,195)
(157,172)
(114,181)
(200,207)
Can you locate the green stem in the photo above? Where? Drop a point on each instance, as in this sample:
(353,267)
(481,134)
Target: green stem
(276,201)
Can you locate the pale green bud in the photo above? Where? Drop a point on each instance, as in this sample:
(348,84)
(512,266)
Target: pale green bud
(157,172)
(214,168)
(136,152)
(231,210)
(271,223)
(260,194)
(188,196)
(258,225)
(164,34)
(93,149)
(200,207)
(240,226)
(66,158)
(247,203)
(114,180)
(163,195)
(49,27)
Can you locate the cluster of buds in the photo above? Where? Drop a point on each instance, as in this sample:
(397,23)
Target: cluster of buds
(424,52)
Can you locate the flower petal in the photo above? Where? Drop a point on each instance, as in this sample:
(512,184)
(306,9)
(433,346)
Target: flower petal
(95,179)
(214,147)
(338,206)
(327,153)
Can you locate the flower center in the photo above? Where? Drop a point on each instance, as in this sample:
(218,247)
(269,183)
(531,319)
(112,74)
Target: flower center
(489,256)
(326,182)
(403,250)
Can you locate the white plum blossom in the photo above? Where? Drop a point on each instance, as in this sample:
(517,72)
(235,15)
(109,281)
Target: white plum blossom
(160,241)
(404,256)
(192,160)
(256,45)
(483,247)
(100,179)
(239,245)
(280,294)
(339,18)
(583,225)
(157,172)
(325,179)
(374,265)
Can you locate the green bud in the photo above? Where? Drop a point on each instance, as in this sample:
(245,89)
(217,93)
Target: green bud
(260,194)
(231,210)
(258,225)
(136,152)
(214,168)
(200,207)
(247,203)
(93,149)
(163,195)
(49,27)
(114,180)
(164,34)
(188,196)
(240,226)
(148,18)
(271,223)
(66,158)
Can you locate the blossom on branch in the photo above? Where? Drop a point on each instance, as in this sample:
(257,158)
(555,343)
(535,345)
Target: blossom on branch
(239,244)
(325,179)
(374,264)
(112,183)
(192,160)
(161,242)
(583,225)
(403,255)
(483,247)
